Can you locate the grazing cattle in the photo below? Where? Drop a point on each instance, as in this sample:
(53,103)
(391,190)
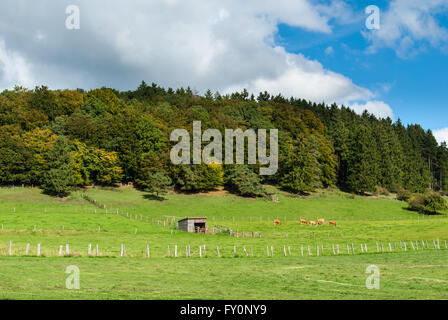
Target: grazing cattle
(321,221)
(313,223)
(333,223)
(277,222)
(303,221)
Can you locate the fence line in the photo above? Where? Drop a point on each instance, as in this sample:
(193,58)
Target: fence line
(242,251)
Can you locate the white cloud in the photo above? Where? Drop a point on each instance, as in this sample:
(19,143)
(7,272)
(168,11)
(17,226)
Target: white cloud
(208,44)
(308,80)
(14,69)
(410,26)
(329,51)
(441,135)
(377,108)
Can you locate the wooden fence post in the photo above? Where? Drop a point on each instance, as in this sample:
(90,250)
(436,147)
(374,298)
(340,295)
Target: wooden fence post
(309,251)
(234,251)
(365,247)
(348,249)
(412,244)
(382,247)
(245,251)
(337,245)
(377,247)
(38,249)
(272,251)
(284,251)
(405,248)
(10,248)
(390,247)
(362,248)
(289,250)
(217,250)
(332,245)
(147,251)
(60,250)
(353,249)
(27,249)
(97,253)
(67,249)
(267,251)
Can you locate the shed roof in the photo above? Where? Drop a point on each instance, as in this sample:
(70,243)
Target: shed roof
(189,218)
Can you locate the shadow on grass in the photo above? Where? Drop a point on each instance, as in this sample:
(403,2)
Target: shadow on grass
(153,197)
(426,213)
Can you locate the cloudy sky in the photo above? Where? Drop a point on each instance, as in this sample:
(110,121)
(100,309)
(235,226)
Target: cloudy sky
(320,50)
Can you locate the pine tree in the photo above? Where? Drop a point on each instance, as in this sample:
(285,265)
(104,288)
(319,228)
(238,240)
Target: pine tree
(157,183)
(362,165)
(302,170)
(59,178)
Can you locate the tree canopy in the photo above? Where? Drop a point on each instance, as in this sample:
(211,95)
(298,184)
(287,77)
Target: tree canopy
(112,136)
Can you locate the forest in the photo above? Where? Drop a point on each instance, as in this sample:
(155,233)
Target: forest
(63,139)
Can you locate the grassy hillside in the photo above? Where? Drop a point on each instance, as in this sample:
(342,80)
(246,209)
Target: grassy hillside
(132,218)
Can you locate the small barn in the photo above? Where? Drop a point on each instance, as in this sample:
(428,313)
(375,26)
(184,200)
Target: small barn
(197,225)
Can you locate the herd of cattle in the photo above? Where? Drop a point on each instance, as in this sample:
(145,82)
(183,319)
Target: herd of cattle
(312,223)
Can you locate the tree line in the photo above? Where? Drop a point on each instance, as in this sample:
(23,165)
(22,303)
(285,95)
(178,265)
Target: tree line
(59,139)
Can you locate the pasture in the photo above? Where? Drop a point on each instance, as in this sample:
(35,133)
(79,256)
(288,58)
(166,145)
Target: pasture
(124,216)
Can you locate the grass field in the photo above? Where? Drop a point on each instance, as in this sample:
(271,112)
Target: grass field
(132,218)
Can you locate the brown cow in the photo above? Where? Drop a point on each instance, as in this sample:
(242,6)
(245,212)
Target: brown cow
(321,221)
(333,223)
(303,221)
(277,222)
(313,223)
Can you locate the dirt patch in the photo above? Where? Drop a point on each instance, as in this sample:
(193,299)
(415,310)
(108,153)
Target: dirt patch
(217,192)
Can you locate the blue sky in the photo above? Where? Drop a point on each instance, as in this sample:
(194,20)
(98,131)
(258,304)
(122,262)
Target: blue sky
(416,87)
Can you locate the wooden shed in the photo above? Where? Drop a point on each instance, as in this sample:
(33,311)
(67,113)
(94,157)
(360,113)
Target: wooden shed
(197,225)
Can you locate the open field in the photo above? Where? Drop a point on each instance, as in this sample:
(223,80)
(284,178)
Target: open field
(133,219)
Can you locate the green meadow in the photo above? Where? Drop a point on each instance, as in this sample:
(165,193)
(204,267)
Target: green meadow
(301,263)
